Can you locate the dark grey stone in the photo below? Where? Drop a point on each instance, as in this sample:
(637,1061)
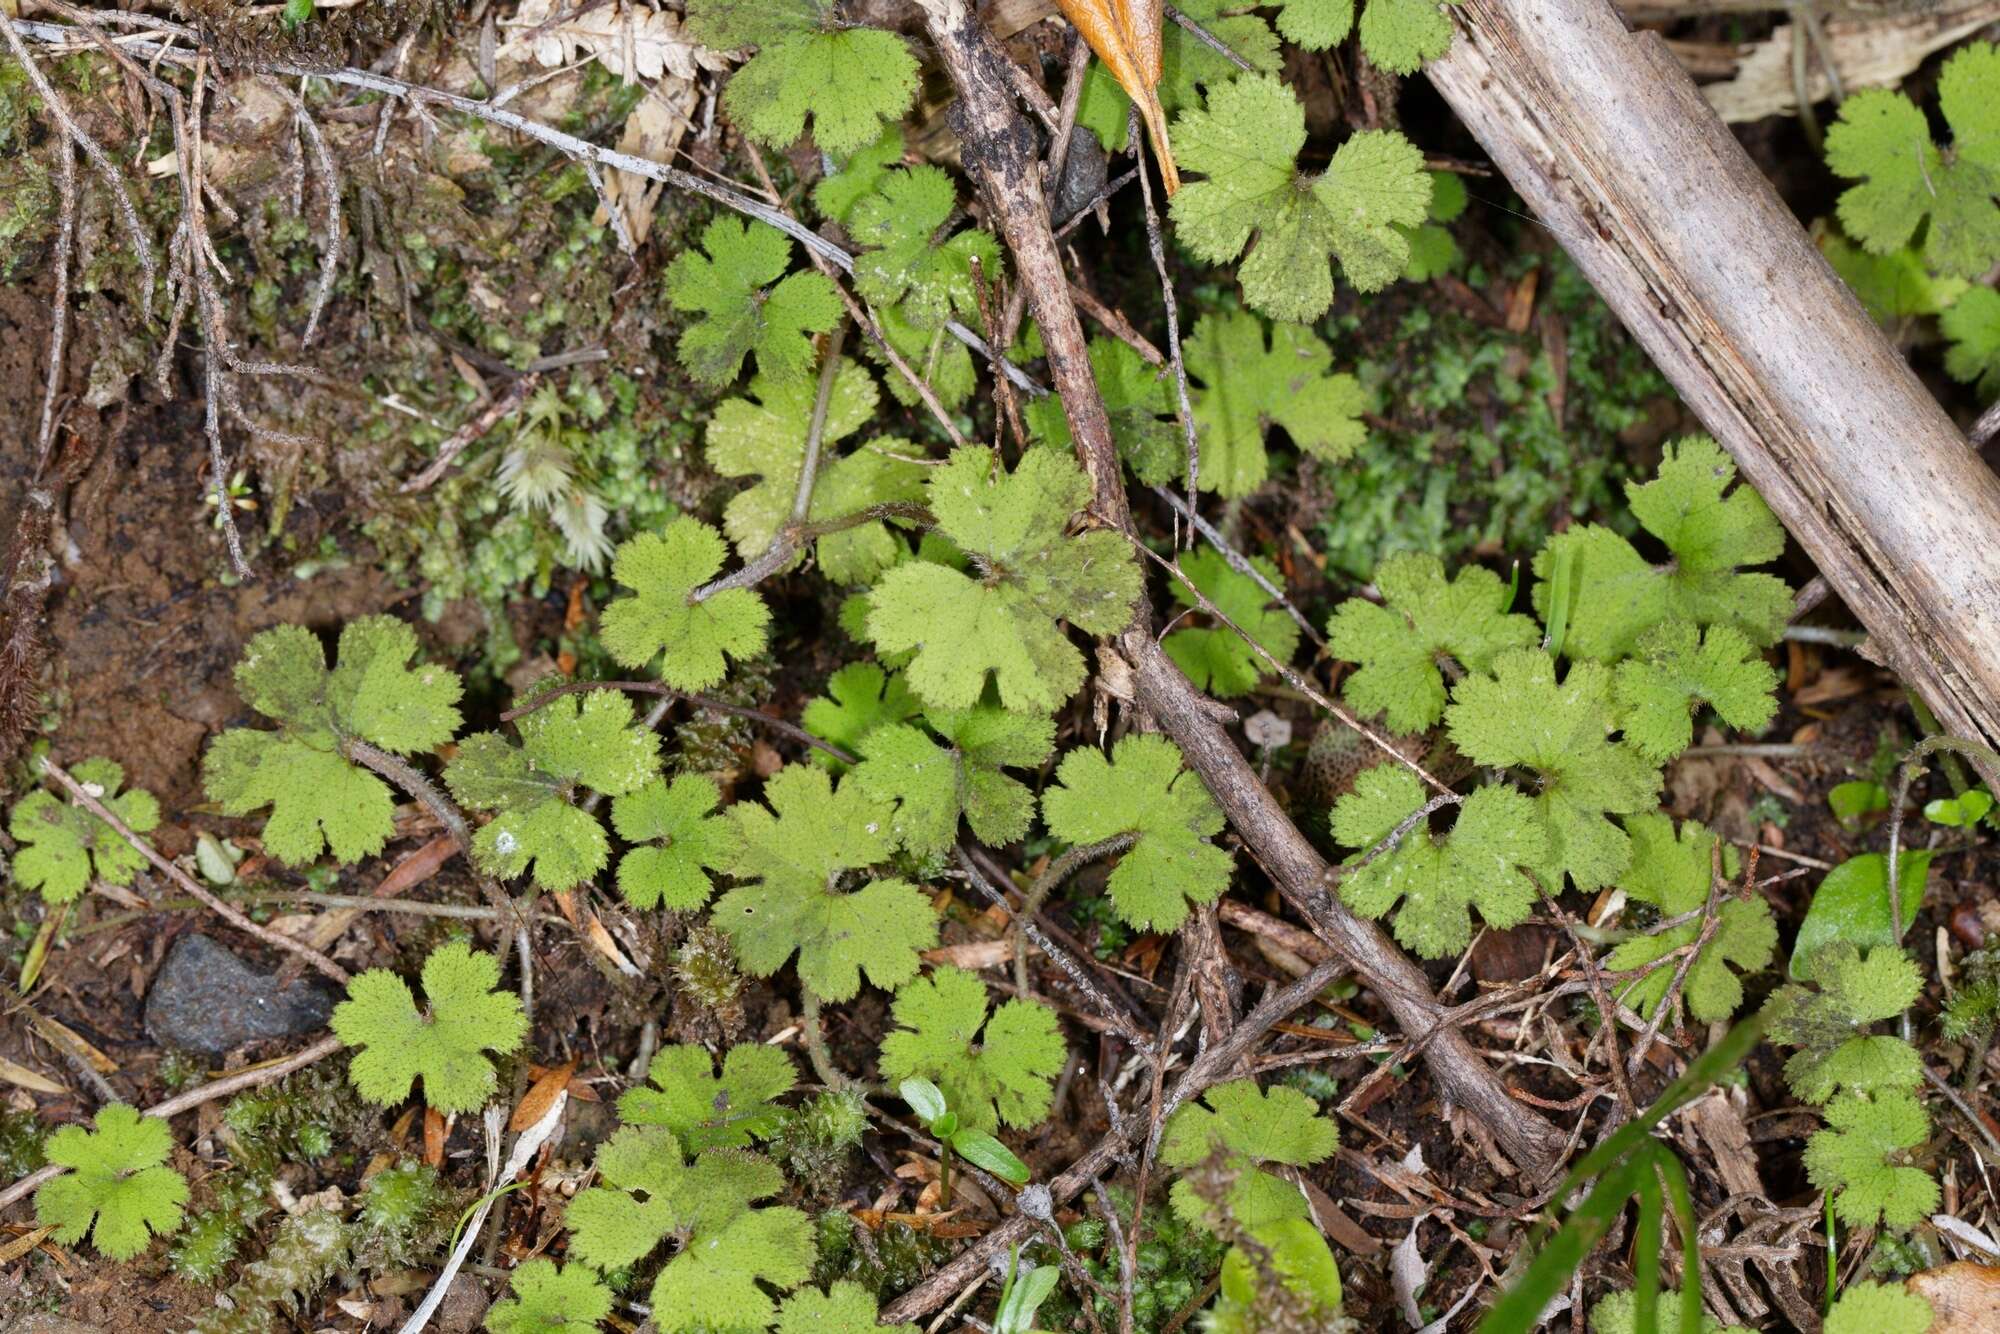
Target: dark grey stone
(208,1000)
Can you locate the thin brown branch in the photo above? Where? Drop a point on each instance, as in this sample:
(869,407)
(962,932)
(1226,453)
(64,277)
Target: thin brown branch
(500,408)
(187,884)
(255,1077)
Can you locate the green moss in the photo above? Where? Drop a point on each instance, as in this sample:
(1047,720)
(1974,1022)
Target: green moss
(1475,458)
(887,1262)
(21,1136)
(1174,1264)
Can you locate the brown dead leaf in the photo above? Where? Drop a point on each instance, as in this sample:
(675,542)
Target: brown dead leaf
(653,131)
(433,1137)
(972,955)
(1127,35)
(541,1095)
(22,1244)
(64,1036)
(1521,302)
(1836,683)
(22,1077)
(1964,1297)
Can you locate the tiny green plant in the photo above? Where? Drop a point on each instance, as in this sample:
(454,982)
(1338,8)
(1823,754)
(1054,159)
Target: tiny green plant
(914,262)
(1712,532)
(706,1109)
(445,1046)
(1140,791)
(63,845)
(118,1191)
(859,698)
(1883,141)
(1245,145)
(320,798)
(991,1068)
(748,304)
(794,858)
(1867,1083)
(729,1250)
(1022,1295)
(1614,1314)
(1246,1126)
(568,744)
(547,1299)
(954,1137)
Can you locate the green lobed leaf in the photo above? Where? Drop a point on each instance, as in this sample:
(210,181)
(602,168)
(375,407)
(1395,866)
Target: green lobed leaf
(1142,790)
(844,1308)
(850,81)
(1521,717)
(318,798)
(1003,1074)
(1140,401)
(1710,531)
(1868,1307)
(1245,146)
(1245,1126)
(445,1047)
(1398,35)
(118,1191)
(1438,880)
(684,841)
(1216,658)
(748,303)
(764,436)
(1421,619)
(910,262)
(663,570)
(1862,1158)
(1882,140)
(795,857)
(1291,1251)
(1031,574)
(1247,385)
(1680,668)
(705,1109)
(1972,327)
(859,175)
(62,845)
(586,740)
(549,1300)
(934,782)
(859,698)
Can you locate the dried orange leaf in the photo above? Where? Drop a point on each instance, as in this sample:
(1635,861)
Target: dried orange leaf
(534,1104)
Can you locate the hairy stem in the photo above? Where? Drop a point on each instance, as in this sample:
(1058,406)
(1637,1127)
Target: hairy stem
(1059,870)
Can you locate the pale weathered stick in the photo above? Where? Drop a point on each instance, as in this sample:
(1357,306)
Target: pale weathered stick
(1610,144)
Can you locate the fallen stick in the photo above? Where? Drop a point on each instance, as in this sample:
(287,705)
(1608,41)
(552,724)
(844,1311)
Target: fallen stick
(1617,153)
(998,152)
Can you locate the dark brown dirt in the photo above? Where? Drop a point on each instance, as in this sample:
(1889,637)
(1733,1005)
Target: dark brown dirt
(143,630)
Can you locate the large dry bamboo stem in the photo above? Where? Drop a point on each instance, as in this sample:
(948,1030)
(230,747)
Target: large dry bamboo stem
(1607,139)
